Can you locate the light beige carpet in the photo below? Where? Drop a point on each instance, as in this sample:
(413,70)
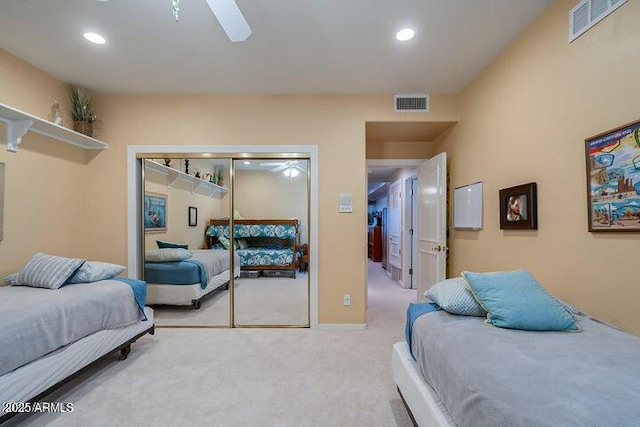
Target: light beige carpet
(250,377)
(259,301)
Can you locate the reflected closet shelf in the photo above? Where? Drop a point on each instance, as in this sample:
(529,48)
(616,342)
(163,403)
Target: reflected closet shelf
(173,175)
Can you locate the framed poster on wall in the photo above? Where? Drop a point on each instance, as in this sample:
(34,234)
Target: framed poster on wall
(155,212)
(613,179)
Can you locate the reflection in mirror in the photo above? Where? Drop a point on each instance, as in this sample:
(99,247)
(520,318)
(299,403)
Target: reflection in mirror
(271,234)
(187,282)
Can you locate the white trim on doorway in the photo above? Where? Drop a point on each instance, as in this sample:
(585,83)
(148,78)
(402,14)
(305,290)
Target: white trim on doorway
(134,234)
(408,224)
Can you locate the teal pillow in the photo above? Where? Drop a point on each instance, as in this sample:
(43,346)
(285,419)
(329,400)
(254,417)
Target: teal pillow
(515,300)
(224,242)
(169,245)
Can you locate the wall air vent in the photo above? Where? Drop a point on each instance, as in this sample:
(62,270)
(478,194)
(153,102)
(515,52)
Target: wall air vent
(411,103)
(588,13)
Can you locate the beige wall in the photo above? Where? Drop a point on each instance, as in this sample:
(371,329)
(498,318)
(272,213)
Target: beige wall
(269,195)
(81,210)
(399,150)
(179,198)
(525,119)
(45,182)
(336,124)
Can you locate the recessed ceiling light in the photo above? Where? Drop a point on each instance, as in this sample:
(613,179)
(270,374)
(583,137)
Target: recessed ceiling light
(95,38)
(405,34)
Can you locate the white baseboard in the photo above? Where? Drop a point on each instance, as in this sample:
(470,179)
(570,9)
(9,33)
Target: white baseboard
(343,326)
(402,285)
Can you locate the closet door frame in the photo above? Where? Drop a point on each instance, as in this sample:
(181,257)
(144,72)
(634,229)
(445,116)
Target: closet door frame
(134,195)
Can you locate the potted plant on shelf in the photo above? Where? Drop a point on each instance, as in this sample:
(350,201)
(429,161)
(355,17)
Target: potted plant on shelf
(82,110)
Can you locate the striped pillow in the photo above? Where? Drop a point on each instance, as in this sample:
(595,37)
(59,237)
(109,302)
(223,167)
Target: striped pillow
(48,271)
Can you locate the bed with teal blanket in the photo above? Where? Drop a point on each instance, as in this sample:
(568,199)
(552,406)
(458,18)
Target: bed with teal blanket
(186,282)
(261,244)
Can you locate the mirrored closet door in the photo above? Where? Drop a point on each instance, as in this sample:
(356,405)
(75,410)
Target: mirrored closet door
(188,274)
(271,211)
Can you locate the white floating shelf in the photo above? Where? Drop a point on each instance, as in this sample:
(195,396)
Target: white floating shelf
(174,175)
(19,123)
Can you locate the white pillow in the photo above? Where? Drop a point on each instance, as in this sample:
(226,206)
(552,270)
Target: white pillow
(166,255)
(454,296)
(48,271)
(93,271)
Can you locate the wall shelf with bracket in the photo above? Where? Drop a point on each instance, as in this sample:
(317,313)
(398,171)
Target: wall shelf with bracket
(174,175)
(19,123)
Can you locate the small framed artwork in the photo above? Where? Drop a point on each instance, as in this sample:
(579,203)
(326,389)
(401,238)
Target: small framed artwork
(155,213)
(519,207)
(613,179)
(193,216)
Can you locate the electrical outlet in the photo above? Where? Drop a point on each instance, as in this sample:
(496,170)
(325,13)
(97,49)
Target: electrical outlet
(347,299)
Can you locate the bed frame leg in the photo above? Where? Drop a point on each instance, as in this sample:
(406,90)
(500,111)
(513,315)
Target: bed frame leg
(406,406)
(124,352)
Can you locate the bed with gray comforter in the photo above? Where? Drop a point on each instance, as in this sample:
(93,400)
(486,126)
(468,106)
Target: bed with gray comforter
(36,321)
(489,376)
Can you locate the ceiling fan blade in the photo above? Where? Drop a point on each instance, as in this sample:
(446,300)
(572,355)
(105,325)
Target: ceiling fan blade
(231,19)
(280,168)
(301,167)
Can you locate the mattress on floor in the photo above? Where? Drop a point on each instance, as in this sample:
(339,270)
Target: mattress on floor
(36,321)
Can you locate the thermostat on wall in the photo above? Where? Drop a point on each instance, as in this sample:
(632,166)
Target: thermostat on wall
(345,203)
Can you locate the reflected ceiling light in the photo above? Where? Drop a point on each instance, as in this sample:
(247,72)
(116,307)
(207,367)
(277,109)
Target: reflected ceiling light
(291,172)
(95,38)
(247,163)
(405,34)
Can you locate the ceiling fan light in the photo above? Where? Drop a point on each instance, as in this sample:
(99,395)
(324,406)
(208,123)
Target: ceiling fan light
(291,172)
(231,19)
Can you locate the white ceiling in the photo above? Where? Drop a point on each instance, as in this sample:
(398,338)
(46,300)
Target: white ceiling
(297,46)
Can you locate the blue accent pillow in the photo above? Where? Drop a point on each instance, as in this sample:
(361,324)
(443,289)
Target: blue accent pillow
(515,300)
(48,271)
(454,296)
(166,255)
(94,271)
(169,245)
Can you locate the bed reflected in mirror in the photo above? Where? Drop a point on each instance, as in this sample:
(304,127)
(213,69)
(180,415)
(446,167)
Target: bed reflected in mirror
(270,237)
(187,282)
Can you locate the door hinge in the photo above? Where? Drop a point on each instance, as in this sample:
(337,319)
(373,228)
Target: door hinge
(411,231)
(410,271)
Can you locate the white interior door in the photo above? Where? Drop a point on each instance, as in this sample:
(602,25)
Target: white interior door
(432,222)
(395,217)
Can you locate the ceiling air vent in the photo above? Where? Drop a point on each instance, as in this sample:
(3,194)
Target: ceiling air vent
(411,103)
(588,13)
